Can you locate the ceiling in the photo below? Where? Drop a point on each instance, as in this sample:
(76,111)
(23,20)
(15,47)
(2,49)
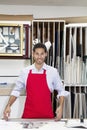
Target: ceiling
(45,2)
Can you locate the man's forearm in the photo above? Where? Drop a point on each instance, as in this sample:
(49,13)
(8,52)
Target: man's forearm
(59,109)
(7,110)
(11,100)
(61,101)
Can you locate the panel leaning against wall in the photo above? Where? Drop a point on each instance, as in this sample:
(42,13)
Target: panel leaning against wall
(51,33)
(75,68)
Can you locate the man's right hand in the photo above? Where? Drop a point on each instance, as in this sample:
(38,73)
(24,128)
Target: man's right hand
(7,112)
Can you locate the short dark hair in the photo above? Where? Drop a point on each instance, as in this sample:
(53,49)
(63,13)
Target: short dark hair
(39,45)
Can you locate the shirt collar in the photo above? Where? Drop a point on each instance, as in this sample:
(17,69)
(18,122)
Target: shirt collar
(44,67)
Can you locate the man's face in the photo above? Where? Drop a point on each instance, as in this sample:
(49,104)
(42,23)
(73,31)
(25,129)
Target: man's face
(39,56)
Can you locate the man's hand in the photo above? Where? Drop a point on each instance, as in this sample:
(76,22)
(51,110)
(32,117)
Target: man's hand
(7,112)
(59,112)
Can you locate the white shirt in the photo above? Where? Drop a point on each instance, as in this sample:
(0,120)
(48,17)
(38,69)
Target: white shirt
(53,80)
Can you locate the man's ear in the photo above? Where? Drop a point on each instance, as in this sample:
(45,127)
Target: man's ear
(46,54)
(32,53)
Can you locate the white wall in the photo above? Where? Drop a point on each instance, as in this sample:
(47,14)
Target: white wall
(13,67)
(10,69)
(44,11)
(16,109)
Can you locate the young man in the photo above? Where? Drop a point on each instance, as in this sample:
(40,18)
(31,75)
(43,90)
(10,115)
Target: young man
(39,80)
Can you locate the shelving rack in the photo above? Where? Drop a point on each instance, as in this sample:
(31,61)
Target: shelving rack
(75,69)
(51,33)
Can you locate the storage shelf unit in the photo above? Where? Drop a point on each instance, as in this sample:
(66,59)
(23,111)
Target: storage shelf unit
(75,69)
(51,33)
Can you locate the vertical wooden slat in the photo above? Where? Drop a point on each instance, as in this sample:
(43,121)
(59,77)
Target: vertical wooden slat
(58,57)
(43,32)
(86,41)
(48,39)
(53,62)
(38,32)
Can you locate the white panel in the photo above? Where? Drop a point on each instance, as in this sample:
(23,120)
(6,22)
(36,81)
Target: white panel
(16,109)
(7,80)
(12,67)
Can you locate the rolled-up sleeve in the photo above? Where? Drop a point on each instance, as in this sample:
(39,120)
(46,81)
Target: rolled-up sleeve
(58,85)
(63,93)
(19,85)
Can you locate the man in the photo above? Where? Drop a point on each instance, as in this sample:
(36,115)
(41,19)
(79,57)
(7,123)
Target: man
(39,80)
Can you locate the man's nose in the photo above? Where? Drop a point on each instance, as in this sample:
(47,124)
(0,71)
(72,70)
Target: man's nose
(39,55)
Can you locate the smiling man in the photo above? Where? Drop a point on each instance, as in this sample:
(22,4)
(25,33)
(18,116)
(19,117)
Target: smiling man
(39,80)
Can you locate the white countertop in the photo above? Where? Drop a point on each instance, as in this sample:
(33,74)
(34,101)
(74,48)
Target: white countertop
(33,124)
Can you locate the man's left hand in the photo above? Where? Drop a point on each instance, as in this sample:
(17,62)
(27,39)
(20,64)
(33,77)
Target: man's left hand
(59,112)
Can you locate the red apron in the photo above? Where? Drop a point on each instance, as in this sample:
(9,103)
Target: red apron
(38,97)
